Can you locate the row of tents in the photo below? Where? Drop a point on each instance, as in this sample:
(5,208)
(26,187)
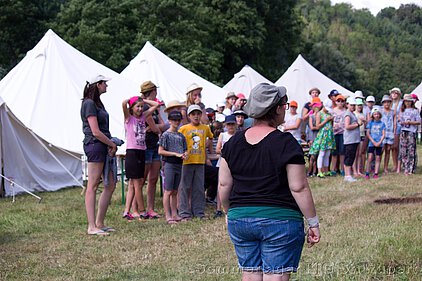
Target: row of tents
(40,98)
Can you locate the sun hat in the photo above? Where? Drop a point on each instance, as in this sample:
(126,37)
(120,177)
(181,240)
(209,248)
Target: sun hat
(99,78)
(230,119)
(351,101)
(293,103)
(172,105)
(194,107)
(395,90)
(340,97)
(174,115)
(333,92)
(370,99)
(134,99)
(147,86)
(231,95)
(262,98)
(193,87)
(359,94)
(314,89)
(408,97)
(240,112)
(359,101)
(221,104)
(220,118)
(385,98)
(328,103)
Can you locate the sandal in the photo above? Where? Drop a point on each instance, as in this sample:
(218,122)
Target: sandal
(171,221)
(128,216)
(153,215)
(144,216)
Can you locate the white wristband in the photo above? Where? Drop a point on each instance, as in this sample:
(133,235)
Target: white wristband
(313,222)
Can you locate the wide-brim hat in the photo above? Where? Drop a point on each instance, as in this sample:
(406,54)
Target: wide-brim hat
(359,94)
(370,99)
(173,104)
(147,86)
(230,119)
(395,90)
(193,87)
(231,95)
(386,98)
(99,78)
(262,98)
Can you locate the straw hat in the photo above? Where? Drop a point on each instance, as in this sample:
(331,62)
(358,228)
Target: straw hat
(172,105)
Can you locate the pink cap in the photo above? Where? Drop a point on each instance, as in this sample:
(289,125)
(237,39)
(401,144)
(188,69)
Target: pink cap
(415,97)
(241,96)
(134,99)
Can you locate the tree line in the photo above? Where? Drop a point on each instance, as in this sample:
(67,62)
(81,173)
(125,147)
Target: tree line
(216,38)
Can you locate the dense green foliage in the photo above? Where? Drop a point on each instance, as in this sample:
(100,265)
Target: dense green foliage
(216,38)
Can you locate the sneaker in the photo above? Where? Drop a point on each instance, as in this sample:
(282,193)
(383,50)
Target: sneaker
(309,175)
(128,216)
(333,173)
(367,177)
(342,173)
(376,176)
(349,179)
(327,174)
(321,175)
(218,214)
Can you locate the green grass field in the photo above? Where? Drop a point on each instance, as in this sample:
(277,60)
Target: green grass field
(361,240)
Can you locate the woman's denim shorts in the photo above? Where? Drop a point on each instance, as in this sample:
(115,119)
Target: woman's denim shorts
(96,151)
(151,155)
(268,245)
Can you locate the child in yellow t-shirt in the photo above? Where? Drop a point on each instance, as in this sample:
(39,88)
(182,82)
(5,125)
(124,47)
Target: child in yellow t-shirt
(198,136)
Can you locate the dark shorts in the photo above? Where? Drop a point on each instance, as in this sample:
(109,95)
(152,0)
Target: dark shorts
(96,151)
(339,145)
(135,163)
(350,153)
(151,155)
(267,245)
(377,150)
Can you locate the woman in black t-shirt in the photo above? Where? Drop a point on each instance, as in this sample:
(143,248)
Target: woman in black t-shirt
(264,190)
(97,144)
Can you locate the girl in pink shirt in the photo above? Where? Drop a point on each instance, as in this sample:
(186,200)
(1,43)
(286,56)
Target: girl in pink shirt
(135,128)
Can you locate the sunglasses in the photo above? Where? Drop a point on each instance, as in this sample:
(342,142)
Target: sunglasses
(340,100)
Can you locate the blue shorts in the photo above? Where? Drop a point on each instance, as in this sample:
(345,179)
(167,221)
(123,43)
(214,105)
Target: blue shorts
(267,245)
(151,155)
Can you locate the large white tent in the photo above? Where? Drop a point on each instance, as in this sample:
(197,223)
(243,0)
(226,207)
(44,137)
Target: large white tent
(301,76)
(244,81)
(171,78)
(31,162)
(45,90)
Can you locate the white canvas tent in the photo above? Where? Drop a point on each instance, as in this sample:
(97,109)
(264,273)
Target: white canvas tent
(245,80)
(171,78)
(301,76)
(32,162)
(45,89)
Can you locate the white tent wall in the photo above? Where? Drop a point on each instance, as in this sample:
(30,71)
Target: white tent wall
(171,78)
(28,160)
(245,80)
(45,90)
(301,76)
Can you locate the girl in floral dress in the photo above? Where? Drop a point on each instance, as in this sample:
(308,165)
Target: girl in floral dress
(324,141)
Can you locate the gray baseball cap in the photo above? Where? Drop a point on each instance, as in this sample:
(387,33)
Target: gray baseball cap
(262,98)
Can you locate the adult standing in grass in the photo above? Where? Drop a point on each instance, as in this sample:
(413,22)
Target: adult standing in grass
(264,191)
(351,139)
(409,120)
(97,145)
(396,104)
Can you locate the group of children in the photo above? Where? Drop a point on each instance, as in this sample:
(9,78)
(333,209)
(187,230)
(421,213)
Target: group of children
(356,135)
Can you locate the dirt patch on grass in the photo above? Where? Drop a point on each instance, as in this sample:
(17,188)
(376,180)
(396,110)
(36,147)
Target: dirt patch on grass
(399,200)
